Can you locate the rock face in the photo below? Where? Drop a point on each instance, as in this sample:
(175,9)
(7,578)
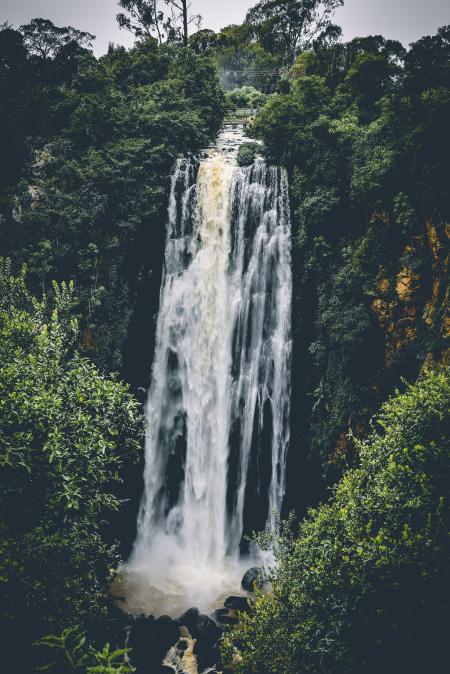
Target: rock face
(189,618)
(229,620)
(237,603)
(150,640)
(250,578)
(218,614)
(207,634)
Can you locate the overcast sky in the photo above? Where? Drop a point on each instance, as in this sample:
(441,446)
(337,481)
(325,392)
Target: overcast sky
(404,20)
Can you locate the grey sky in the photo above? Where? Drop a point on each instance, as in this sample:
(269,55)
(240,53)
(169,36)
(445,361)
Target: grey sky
(404,20)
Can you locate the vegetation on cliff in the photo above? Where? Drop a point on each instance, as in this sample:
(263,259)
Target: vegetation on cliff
(66,431)
(88,149)
(365,138)
(363,585)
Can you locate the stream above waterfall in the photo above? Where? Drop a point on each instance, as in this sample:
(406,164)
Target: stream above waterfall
(218,405)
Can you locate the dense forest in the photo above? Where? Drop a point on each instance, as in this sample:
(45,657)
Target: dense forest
(362,129)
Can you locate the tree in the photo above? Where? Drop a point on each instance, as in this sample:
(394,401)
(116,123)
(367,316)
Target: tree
(44,39)
(183,7)
(291,26)
(66,431)
(146,18)
(203,41)
(428,61)
(363,586)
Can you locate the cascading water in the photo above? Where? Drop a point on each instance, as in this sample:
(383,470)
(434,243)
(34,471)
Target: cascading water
(218,405)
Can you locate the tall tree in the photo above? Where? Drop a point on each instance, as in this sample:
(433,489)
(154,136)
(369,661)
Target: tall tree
(291,26)
(183,7)
(144,18)
(44,39)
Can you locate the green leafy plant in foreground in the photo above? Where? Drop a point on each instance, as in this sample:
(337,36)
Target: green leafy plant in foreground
(70,652)
(65,432)
(363,586)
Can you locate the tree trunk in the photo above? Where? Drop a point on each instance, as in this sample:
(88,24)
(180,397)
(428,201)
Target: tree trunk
(185,22)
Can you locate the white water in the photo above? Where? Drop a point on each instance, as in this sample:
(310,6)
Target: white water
(218,405)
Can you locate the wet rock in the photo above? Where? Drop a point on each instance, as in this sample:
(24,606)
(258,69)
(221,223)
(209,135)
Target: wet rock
(183,645)
(200,626)
(150,640)
(229,620)
(167,630)
(206,630)
(165,670)
(189,618)
(250,579)
(218,613)
(238,603)
(112,628)
(141,633)
(207,657)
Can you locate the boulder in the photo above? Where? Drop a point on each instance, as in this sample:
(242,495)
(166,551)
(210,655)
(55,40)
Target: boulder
(167,631)
(218,613)
(150,640)
(229,620)
(238,603)
(183,644)
(206,630)
(251,578)
(207,657)
(189,618)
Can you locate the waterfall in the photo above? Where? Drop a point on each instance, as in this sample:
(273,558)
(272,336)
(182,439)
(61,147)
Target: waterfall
(218,405)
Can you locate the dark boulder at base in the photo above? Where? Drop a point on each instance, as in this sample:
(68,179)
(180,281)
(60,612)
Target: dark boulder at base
(201,627)
(207,657)
(150,640)
(238,603)
(206,630)
(189,618)
(165,670)
(250,578)
(229,620)
(218,613)
(112,628)
(207,634)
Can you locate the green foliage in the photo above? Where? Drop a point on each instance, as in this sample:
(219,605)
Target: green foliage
(84,194)
(65,431)
(247,153)
(245,97)
(42,38)
(143,18)
(363,587)
(357,130)
(70,652)
(243,62)
(291,26)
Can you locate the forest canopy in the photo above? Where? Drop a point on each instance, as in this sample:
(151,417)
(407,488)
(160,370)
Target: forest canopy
(362,131)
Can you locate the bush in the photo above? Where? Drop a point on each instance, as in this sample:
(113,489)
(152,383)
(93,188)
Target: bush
(65,432)
(70,651)
(245,97)
(247,153)
(364,586)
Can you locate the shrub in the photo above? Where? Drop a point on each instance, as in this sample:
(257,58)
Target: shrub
(247,153)
(65,432)
(364,585)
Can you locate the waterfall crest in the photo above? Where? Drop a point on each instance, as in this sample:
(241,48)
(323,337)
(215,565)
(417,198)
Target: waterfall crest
(218,405)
